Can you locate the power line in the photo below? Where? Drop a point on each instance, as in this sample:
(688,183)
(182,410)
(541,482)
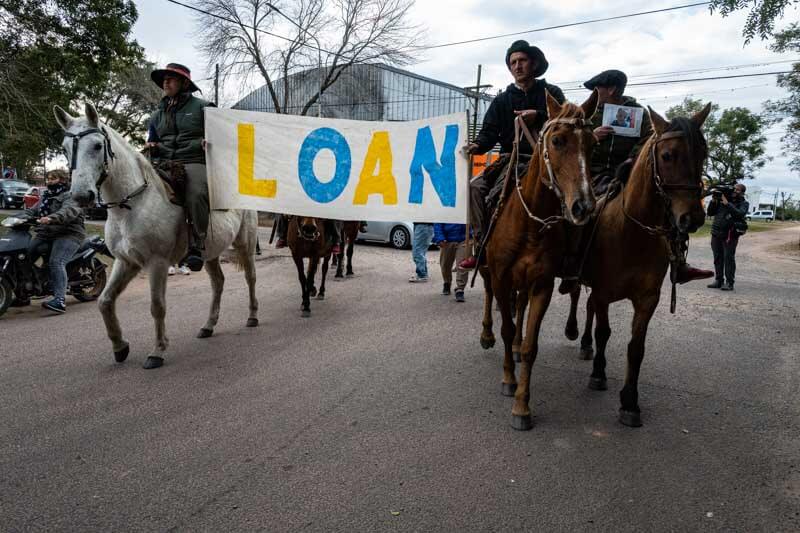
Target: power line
(666,82)
(666,97)
(558,26)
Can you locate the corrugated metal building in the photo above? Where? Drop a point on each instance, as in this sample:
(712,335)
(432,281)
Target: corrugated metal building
(368,92)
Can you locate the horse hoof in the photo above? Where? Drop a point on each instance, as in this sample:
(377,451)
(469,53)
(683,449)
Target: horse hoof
(205,333)
(312,292)
(306,313)
(350,274)
(630,418)
(121,355)
(517,357)
(486,343)
(153,362)
(321,296)
(598,383)
(571,333)
(509,389)
(587,353)
(338,275)
(252,322)
(521,423)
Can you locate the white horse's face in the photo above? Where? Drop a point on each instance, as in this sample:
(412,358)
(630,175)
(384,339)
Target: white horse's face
(89,160)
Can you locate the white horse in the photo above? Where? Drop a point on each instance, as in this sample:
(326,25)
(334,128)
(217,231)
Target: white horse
(144,230)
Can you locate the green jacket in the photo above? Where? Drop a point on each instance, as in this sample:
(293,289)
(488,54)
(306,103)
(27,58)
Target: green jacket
(67,217)
(609,153)
(180,129)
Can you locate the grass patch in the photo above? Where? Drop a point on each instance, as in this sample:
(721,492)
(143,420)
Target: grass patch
(752,227)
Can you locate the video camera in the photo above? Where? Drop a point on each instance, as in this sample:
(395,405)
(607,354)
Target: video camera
(718,191)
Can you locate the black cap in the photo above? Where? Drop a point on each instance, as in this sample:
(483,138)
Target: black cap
(533,52)
(608,78)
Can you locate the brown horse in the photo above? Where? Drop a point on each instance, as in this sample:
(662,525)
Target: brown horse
(629,254)
(306,238)
(349,235)
(526,250)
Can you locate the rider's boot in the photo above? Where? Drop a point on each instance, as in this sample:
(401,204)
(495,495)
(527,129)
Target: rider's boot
(194,256)
(687,272)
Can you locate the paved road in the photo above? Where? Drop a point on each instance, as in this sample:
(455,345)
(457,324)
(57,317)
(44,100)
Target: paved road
(382,413)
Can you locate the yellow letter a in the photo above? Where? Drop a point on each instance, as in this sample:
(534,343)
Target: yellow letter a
(379,154)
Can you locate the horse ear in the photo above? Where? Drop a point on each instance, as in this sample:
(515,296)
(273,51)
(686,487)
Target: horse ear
(660,124)
(553,107)
(700,117)
(63,118)
(91,115)
(590,105)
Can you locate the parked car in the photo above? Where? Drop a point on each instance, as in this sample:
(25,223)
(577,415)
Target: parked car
(398,234)
(11,193)
(764,214)
(31,197)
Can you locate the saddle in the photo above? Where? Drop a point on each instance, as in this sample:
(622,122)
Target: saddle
(173,174)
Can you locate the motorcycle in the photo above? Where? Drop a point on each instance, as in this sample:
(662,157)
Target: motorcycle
(20,279)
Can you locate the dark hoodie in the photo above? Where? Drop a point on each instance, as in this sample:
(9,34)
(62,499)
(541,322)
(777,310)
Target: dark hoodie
(498,123)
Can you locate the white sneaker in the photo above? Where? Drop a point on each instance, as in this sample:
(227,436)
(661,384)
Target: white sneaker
(183,269)
(171,271)
(417,279)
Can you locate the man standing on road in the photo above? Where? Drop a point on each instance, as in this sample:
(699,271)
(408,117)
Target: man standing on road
(729,223)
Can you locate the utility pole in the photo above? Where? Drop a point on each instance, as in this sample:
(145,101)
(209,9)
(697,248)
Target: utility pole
(783,206)
(473,127)
(216,85)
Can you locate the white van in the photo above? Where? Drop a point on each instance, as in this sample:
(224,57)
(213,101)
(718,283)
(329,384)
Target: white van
(763,214)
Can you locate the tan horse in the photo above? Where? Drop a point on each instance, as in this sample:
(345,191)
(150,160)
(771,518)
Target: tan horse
(629,254)
(526,249)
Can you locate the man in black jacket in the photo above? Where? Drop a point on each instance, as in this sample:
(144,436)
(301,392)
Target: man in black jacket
(526,98)
(724,234)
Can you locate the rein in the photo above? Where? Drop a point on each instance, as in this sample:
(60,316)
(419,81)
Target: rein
(108,156)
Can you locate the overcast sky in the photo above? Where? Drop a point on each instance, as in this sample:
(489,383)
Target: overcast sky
(674,41)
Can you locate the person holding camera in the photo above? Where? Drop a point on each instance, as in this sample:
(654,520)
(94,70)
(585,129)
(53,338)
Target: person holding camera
(728,207)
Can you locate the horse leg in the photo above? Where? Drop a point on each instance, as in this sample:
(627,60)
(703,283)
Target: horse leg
(587,352)
(350,245)
(487,336)
(338,262)
(249,264)
(540,295)
(522,304)
(217,279)
(158,309)
(121,274)
(313,264)
(246,244)
(602,332)
(571,329)
(507,330)
(644,308)
(321,293)
(301,274)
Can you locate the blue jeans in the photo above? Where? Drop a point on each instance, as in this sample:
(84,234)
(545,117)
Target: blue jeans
(423,235)
(61,251)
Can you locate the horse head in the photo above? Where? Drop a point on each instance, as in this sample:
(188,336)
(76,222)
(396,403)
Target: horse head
(307,228)
(88,148)
(566,147)
(678,153)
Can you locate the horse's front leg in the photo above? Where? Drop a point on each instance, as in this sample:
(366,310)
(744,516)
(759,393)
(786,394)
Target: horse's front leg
(338,261)
(643,310)
(587,352)
(540,295)
(313,265)
(602,332)
(522,304)
(301,275)
(217,279)
(487,335)
(350,246)
(571,329)
(121,274)
(503,293)
(321,293)
(249,263)
(157,271)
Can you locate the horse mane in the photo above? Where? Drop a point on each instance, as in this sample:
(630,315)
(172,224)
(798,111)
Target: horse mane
(121,144)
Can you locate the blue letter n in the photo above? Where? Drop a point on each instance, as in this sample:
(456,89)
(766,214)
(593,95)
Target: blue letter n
(443,175)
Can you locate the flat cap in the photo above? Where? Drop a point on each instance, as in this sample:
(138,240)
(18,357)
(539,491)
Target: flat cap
(608,78)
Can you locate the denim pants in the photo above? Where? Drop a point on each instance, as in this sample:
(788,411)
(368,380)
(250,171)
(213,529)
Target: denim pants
(61,251)
(423,235)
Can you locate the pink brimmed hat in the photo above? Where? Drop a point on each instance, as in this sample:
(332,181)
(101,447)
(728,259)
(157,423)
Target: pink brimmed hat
(176,69)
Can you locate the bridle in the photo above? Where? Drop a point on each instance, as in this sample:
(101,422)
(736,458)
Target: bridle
(551,181)
(108,157)
(662,190)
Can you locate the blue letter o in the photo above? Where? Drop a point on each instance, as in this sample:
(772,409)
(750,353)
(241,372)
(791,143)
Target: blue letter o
(317,140)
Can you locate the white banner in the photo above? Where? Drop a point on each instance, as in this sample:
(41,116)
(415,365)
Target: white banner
(340,169)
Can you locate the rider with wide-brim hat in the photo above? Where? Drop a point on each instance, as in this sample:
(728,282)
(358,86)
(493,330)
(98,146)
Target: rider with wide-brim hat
(177,133)
(526,97)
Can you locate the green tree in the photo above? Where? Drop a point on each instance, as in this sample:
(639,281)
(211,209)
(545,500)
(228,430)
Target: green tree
(54,52)
(787,110)
(763,13)
(736,142)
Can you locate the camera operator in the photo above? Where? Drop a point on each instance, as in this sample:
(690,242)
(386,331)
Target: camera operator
(728,209)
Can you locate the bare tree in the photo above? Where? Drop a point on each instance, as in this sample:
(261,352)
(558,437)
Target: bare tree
(274,40)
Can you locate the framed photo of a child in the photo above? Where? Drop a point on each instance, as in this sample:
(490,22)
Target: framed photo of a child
(626,121)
